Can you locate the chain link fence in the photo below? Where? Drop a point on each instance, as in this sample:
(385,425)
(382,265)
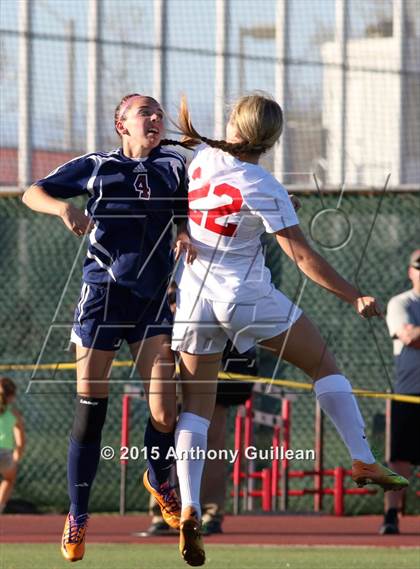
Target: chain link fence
(40,282)
(346,73)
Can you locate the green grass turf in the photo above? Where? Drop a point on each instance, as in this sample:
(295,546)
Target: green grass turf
(47,556)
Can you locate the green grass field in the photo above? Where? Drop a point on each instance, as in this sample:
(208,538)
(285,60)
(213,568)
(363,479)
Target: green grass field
(47,556)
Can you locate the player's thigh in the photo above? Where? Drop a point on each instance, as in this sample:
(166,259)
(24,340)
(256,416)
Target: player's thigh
(10,474)
(199,374)
(155,363)
(303,346)
(248,323)
(93,369)
(196,329)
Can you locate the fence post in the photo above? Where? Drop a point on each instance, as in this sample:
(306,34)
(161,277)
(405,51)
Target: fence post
(237,464)
(249,481)
(400,36)
(339,491)
(221,74)
(282,89)
(266,489)
(275,469)
(125,441)
(160,56)
(25,100)
(341,33)
(319,458)
(388,410)
(94,50)
(286,415)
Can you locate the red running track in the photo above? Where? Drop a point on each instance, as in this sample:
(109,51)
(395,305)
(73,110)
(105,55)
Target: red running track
(251,530)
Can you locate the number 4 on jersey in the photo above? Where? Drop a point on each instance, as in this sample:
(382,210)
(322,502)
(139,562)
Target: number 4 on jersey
(141,185)
(215,213)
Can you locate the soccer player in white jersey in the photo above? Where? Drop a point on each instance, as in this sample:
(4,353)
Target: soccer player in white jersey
(228,294)
(134,194)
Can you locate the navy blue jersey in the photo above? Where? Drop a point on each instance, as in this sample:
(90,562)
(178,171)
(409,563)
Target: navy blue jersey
(133,203)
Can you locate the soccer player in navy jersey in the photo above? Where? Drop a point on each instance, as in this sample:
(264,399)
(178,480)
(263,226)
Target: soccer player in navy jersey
(135,193)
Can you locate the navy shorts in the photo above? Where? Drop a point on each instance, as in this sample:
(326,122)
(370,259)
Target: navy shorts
(105,316)
(233,392)
(405,423)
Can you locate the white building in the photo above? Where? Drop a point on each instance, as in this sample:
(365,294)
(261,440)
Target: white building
(381,110)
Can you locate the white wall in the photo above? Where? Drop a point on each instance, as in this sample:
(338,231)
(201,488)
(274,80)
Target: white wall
(372,116)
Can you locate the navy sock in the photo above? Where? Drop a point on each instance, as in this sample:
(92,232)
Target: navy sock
(84,450)
(82,464)
(159,467)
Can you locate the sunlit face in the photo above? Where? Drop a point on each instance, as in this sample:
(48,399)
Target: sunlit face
(142,122)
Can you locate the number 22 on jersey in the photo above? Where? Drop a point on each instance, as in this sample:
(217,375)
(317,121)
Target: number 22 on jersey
(208,217)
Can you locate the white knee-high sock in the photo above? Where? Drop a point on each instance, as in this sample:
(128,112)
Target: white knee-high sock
(190,435)
(337,401)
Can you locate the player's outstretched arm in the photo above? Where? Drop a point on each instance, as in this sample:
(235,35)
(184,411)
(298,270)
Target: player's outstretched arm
(315,267)
(36,198)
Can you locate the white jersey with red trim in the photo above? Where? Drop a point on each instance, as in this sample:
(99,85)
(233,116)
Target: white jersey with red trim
(231,204)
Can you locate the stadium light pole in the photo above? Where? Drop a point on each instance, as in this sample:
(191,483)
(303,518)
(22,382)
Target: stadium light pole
(25,95)
(94,74)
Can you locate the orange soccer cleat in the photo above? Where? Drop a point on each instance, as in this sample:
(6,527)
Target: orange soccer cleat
(376,473)
(191,544)
(168,501)
(73,540)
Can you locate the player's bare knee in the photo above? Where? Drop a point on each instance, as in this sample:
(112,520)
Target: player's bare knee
(10,475)
(164,420)
(325,366)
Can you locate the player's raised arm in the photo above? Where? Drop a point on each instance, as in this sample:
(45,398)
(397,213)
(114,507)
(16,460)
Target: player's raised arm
(69,180)
(36,198)
(74,219)
(314,266)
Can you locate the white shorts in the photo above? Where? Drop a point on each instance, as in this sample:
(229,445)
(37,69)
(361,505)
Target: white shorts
(203,326)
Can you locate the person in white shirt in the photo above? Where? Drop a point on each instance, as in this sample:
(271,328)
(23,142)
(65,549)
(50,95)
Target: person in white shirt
(403,319)
(228,294)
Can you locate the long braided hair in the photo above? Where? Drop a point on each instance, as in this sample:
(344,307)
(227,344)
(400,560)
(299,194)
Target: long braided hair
(258,120)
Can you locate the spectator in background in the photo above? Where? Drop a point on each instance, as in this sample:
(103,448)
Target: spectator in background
(12,440)
(403,319)
(229,393)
